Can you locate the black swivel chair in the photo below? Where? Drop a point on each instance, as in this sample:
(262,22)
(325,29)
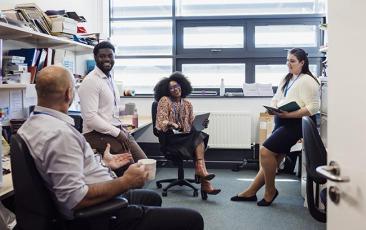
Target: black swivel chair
(34,206)
(173,156)
(78,120)
(316,155)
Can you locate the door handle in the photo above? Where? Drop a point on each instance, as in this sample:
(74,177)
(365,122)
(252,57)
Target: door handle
(332,172)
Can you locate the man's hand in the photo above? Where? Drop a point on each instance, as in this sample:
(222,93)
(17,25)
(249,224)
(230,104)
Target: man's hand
(123,139)
(205,123)
(115,161)
(135,176)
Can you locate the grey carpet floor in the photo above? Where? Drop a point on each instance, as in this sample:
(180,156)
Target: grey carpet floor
(219,213)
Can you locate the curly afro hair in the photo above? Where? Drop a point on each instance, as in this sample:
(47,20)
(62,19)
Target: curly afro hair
(161,89)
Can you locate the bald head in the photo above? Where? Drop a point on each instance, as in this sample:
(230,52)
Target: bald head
(53,84)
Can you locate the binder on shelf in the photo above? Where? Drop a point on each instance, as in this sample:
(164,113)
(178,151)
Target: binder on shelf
(30,55)
(42,59)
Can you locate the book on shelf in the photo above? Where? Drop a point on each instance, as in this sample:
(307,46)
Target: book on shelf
(34,59)
(14,59)
(30,55)
(36,17)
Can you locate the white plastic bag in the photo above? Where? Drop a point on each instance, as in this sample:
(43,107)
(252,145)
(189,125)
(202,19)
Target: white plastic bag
(7,218)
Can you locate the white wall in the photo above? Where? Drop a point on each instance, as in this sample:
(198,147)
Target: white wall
(249,105)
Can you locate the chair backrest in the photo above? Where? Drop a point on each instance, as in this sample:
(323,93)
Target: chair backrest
(154,109)
(315,152)
(35,208)
(78,120)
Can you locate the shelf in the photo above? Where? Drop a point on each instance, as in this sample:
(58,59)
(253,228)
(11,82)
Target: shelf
(13,86)
(40,40)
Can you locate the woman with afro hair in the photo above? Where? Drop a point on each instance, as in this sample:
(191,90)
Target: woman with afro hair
(175,115)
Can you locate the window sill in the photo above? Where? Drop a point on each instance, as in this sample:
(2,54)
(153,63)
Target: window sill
(201,96)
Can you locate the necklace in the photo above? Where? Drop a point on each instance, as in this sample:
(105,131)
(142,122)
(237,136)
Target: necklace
(290,85)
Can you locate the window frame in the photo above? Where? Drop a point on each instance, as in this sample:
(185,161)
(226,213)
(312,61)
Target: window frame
(249,55)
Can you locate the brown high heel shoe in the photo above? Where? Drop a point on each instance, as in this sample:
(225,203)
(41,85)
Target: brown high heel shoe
(206,188)
(201,171)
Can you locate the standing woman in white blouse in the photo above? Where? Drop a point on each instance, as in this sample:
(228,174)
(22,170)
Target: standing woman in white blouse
(301,86)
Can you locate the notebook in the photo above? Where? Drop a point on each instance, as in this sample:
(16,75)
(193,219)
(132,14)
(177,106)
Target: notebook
(198,121)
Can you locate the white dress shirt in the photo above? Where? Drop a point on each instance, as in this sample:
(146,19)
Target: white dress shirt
(99,100)
(62,156)
(303,89)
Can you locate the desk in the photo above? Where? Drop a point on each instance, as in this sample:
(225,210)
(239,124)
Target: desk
(6,189)
(144,121)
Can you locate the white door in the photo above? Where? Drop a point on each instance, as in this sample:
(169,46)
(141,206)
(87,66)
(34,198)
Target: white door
(347,111)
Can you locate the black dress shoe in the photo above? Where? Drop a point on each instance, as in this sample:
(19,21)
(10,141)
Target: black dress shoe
(263,202)
(242,198)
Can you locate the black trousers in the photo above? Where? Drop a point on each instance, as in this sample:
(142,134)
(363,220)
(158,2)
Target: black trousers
(144,212)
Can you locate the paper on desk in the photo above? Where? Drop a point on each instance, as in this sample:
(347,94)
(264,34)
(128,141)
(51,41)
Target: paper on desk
(257,89)
(30,91)
(4,96)
(264,89)
(16,104)
(250,89)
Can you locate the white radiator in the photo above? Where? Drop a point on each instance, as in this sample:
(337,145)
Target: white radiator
(232,130)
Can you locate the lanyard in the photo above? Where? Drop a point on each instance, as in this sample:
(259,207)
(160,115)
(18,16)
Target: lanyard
(111,86)
(290,85)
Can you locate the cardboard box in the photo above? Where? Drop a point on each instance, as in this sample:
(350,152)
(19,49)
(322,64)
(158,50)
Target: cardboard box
(266,125)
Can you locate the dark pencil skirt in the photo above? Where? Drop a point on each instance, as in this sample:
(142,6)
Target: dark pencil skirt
(286,133)
(185,143)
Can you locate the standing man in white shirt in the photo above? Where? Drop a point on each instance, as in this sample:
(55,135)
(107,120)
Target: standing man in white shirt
(99,103)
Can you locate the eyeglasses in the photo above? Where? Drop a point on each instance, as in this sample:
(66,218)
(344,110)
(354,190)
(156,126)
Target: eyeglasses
(174,87)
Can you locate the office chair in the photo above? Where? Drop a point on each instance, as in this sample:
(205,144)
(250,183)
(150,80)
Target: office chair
(34,204)
(78,120)
(315,155)
(173,156)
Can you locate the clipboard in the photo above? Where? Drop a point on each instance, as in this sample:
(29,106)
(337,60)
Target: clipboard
(198,121)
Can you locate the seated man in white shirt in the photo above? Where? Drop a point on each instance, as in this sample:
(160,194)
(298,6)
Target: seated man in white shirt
(99,103)
(71,171)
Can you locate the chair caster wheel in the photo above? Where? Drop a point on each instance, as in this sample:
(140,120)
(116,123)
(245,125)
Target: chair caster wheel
(195,193)
(164,193)
(158,185)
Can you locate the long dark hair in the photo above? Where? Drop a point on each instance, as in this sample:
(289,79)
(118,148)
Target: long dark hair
(301,55)
(161,89)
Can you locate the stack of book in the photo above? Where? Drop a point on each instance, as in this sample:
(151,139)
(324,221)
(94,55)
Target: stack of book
(34,59)
(35,17)
(28,16)
(15,70)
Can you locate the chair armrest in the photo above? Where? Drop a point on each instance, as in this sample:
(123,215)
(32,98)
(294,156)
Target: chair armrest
(101,209)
